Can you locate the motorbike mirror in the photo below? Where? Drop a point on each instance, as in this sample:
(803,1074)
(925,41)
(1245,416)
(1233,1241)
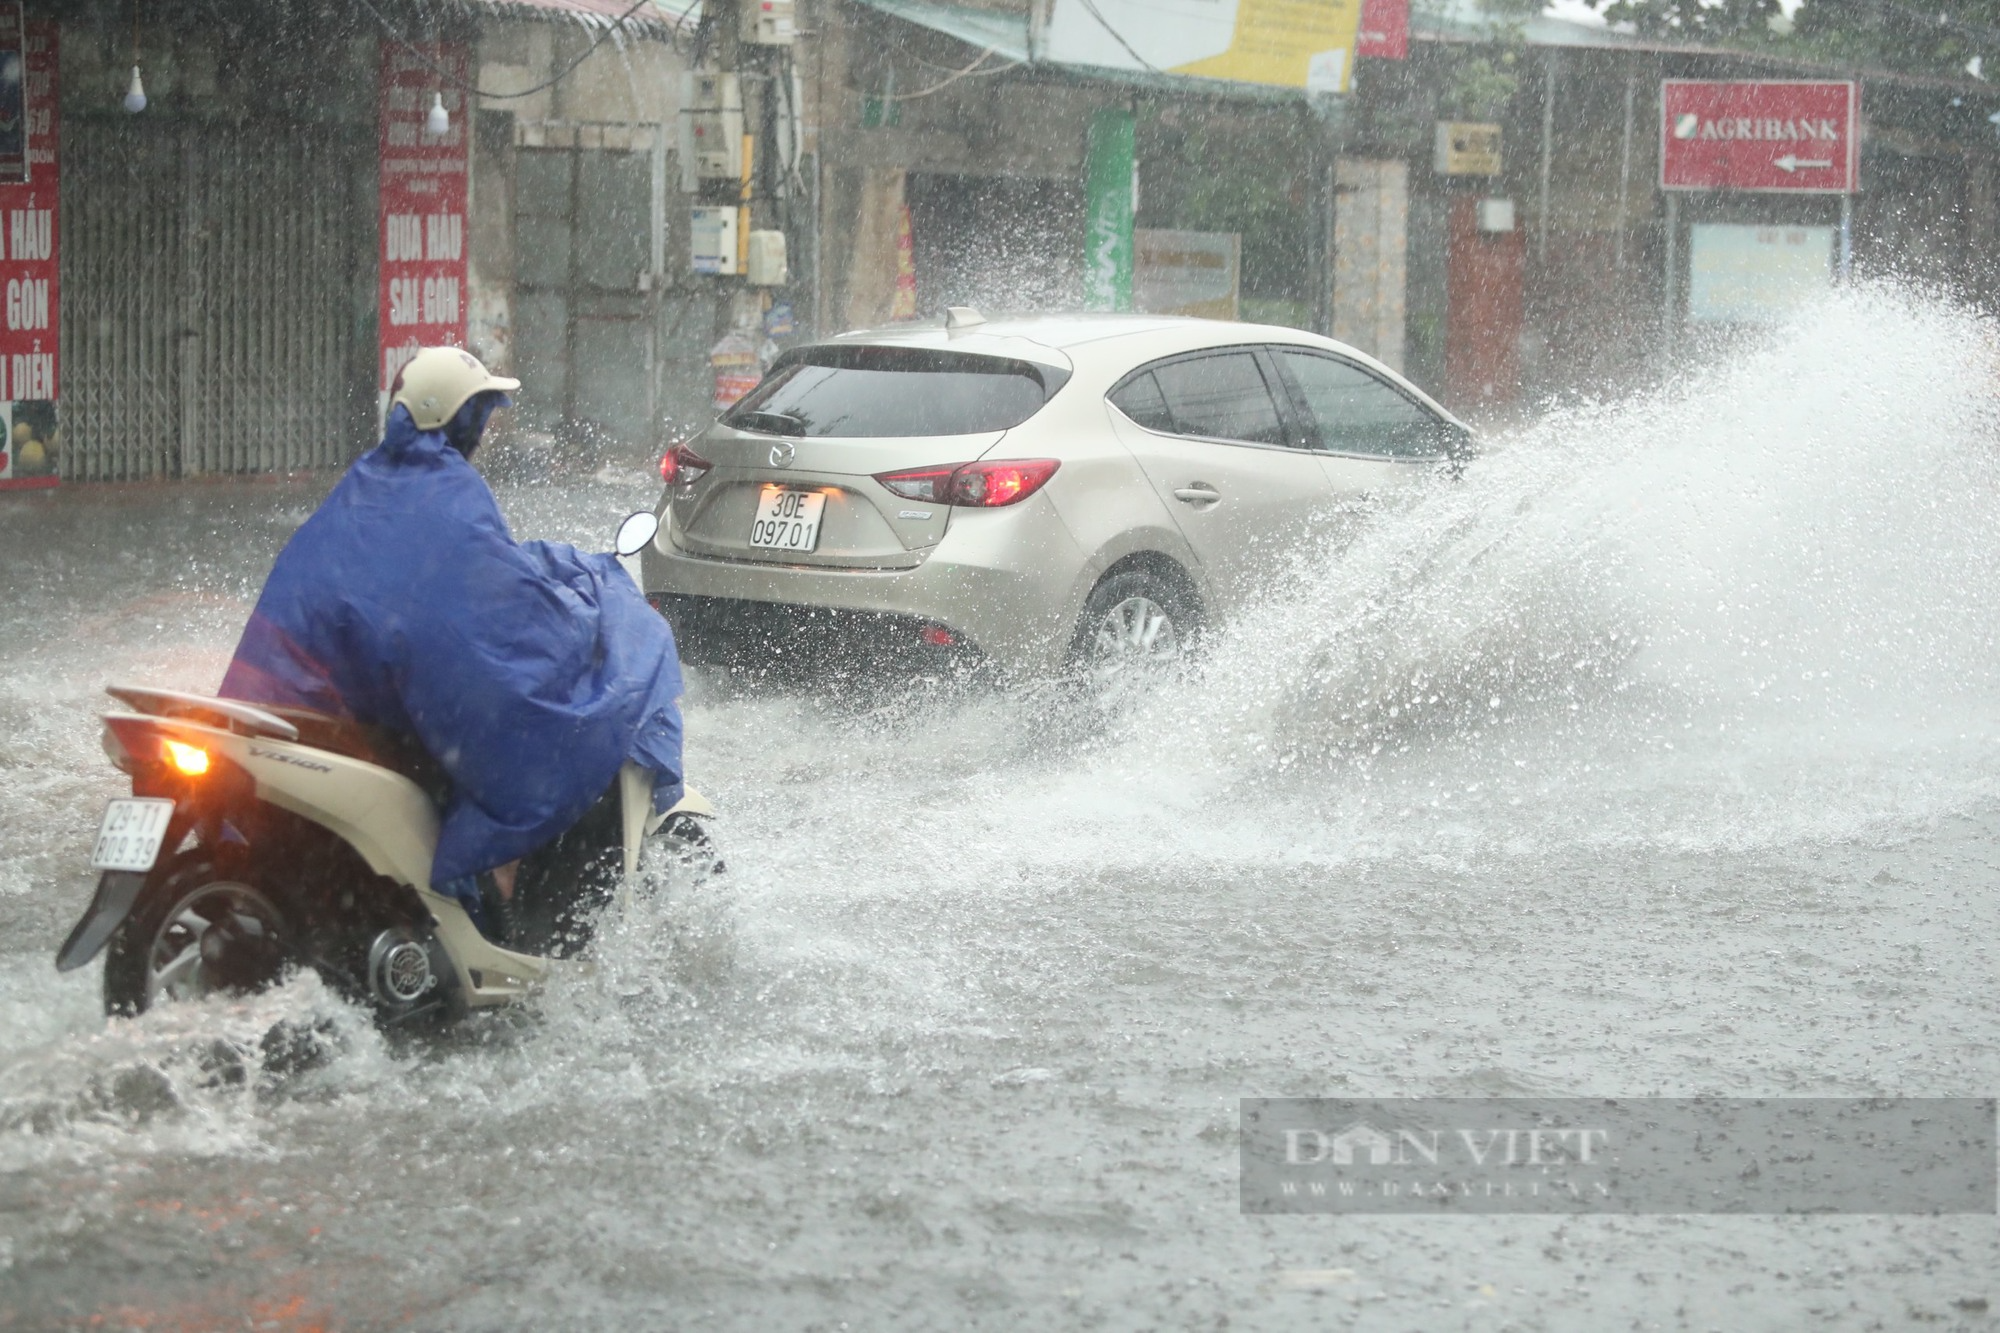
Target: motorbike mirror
(636,532)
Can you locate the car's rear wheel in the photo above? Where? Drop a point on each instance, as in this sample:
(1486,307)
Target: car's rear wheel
(1133,621)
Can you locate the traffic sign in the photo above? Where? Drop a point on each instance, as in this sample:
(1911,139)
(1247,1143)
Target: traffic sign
(1780,136)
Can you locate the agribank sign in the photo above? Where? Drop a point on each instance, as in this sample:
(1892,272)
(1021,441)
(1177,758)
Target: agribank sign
(1780,136)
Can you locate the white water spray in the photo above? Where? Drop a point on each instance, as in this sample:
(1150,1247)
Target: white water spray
(1756,604)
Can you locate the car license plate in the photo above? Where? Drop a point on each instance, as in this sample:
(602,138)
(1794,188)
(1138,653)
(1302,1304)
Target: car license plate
(787,520)
(129,837)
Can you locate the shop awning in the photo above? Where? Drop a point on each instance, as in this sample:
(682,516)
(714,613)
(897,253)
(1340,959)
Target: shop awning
(1561,23)
(1003,34)
(1006,36)
(603,13)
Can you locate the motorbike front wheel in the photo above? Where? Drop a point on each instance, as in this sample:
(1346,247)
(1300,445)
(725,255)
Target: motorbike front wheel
(196,930)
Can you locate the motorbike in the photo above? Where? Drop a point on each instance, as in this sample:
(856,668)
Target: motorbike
(258,839)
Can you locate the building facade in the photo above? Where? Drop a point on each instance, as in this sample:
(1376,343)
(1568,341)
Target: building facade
(223,282)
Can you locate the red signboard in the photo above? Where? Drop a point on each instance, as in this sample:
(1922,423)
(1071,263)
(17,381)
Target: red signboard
(28,238)
(1385,30)
(1779,135)
(423,199)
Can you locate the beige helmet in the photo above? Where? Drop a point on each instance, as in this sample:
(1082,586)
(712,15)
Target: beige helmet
(437,381)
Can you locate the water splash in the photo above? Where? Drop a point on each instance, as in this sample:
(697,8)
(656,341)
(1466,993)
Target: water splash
(196,1079)
(1755,603)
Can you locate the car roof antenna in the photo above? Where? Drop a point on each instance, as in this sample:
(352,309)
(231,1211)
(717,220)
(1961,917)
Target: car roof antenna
(960,317)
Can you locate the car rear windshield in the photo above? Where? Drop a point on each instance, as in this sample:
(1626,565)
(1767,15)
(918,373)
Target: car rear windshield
(878,392)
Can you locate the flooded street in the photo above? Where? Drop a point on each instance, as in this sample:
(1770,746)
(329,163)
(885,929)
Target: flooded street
(1657,756)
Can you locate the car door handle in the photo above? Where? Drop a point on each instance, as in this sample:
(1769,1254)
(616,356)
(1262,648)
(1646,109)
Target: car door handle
(1199,493)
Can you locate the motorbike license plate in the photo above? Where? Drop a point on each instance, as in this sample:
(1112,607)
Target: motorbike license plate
(129,838)
(787,520)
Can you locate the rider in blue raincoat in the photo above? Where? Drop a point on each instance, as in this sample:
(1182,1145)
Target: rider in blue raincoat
(529,670)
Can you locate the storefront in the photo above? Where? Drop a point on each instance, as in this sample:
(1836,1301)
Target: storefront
(1002,151)
(238,268)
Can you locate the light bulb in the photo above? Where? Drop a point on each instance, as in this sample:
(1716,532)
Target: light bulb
(439,120)
(135,96)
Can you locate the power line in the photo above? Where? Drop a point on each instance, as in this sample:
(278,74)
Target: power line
(551,82)
(971,71)
(1118,36)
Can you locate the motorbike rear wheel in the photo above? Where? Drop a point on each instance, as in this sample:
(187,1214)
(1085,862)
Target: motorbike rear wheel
(197,930)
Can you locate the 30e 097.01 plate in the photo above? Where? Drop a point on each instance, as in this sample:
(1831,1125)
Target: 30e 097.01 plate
(787,519)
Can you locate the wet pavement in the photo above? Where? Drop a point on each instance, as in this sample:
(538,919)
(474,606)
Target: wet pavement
(1657,757)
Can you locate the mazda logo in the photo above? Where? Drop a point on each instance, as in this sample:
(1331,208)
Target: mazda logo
(782,453)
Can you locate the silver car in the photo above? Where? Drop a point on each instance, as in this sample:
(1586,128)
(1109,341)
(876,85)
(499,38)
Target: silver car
(1033,492)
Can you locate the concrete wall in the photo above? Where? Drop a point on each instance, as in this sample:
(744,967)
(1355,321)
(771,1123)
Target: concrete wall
(626,81)
(195,69)
(1014,126)
(623,98)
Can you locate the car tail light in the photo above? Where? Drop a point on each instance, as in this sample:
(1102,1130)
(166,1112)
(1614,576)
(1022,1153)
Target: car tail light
(984,485)
(682,466)
(920,483)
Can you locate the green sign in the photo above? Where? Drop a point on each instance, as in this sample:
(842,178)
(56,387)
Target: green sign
(1108,184)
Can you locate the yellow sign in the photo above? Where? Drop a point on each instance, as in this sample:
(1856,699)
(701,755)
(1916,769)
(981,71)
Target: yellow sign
(1293,43)
(1306,44)
(1467,148)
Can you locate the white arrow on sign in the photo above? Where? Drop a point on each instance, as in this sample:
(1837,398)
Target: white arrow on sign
(1790,163)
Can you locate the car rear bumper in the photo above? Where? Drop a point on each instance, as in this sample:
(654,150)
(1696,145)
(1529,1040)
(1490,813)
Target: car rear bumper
(1002,582)
(787,638)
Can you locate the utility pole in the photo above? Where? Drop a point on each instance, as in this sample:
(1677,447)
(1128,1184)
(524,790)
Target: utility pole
(1330,113)
(742,111)
(729,63)
(1551,65)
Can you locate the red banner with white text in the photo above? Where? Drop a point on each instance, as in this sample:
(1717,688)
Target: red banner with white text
(29,194)
(423,203)
(1771,136)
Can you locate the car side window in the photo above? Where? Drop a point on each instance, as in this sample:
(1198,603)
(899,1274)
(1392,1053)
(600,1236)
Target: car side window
(1139,398)
(1221,397)
(1356,413)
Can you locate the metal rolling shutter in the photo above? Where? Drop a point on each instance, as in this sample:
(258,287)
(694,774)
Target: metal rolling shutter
(218,290)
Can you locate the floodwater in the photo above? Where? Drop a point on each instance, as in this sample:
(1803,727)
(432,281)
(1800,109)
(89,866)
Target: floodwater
(1658,756)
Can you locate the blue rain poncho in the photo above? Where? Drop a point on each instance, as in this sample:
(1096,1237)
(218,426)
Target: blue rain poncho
(530,670)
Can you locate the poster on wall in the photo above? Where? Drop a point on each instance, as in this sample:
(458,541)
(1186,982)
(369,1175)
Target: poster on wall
(423,195)
(1740,274)
(1187,272)
(30,434)
(1305,44)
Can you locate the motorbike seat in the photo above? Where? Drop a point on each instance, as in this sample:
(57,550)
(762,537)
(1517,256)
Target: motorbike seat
(395,751)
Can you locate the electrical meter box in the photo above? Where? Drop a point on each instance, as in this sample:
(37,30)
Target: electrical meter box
(1496,215)
(767,259)
(767,22)
(712,235)
(711,129)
